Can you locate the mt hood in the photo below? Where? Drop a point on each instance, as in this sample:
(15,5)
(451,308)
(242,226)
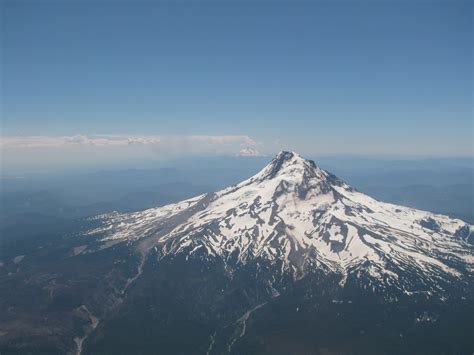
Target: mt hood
(301,218)
(291,261)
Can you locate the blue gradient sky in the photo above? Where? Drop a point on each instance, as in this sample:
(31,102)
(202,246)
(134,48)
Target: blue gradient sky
(364,77)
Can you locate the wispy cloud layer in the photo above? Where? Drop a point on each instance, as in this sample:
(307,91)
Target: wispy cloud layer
(41,153)
(216,141)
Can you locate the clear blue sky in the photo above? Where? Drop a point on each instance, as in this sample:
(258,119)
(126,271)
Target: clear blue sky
(331,76)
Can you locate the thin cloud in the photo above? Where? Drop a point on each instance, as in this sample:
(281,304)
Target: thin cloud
(217,141)
(45,153)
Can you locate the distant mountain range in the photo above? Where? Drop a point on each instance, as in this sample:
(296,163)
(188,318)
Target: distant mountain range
(290,261)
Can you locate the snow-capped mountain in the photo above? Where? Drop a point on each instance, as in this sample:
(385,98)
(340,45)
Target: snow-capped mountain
(302,218)
(290,261)
(249,152)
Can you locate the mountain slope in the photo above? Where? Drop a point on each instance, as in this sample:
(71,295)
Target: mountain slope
(292,260)
(302,218)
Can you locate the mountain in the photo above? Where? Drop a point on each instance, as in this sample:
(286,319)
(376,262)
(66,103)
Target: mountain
(249,152)
(290,261)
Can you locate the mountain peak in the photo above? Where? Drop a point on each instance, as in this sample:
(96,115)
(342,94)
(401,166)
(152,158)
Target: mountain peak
(291,164)
(296,214)
(287,156)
